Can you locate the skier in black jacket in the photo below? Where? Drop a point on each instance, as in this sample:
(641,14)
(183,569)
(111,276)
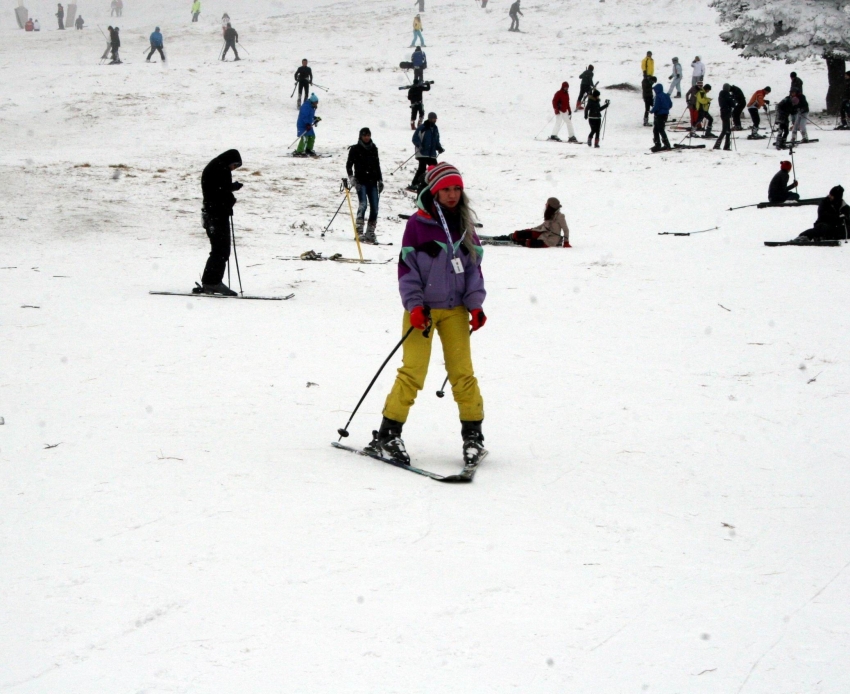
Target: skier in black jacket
(515,13)
(218,186)
(726,102)
(779,189)
(414,96)
(785,109)
(231,38)
(648,96)
(585,87)
(593,115)
(740,102)
(364,175)
(832,222)
(304,79)
(115,43)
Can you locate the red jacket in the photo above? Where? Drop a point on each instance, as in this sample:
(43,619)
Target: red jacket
(561,100)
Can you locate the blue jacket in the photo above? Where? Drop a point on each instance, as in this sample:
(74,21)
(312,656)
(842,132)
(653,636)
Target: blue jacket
(305,119)
(156,39)
(663,103)
(418,58)
(427,140)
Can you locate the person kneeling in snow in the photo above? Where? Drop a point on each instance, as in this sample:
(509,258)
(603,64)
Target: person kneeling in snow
(547,235)
(442,288)
(833,219)
(779,189)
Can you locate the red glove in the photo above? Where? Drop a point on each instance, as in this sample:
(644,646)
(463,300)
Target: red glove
(478,319)
(418,318)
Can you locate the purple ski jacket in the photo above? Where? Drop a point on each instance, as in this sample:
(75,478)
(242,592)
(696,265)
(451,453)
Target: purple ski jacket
(426,276)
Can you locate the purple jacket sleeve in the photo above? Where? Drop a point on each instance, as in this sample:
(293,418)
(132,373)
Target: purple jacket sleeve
(410,285)
(475,292)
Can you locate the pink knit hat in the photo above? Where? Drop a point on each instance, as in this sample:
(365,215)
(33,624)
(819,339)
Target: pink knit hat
(442,176)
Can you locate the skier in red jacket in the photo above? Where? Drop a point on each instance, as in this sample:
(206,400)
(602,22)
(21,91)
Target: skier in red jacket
(563,113)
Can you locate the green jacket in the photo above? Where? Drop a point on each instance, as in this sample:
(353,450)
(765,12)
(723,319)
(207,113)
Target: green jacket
(196,6)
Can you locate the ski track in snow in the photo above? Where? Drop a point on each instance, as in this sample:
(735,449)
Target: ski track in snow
(663,508)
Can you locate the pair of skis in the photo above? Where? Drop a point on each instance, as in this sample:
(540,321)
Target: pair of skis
(464,477)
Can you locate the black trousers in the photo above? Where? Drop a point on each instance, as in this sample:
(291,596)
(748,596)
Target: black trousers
(154,49)
(218,232)
(755,116)
(305,87)
(647,104)
(705,115)
(418,73)
(659,132)
(417,110)
(845,110)
(595,126)
(514,23)
(227,47)
(582,92)
(725,131)
(736,115)
(424,163)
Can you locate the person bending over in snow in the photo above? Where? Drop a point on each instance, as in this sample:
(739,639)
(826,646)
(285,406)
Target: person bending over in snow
(676,79)
(426,139)
(785,109)
(703,105)
(757,101)
(563,113)
(779,189)
(646,89)
(832,222)
(442,288)
(661,111)
(218,187)
(364,175)
(307,120)
(593,115)
(740,103)
(231,38)
(585,87)
(552,233)
(156,45)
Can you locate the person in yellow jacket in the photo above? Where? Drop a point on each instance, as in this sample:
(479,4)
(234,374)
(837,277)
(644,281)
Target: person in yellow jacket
(703,104)
(417,31)
(196,10)
(648,65)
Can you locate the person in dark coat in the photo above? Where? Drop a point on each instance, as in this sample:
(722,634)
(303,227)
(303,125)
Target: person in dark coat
(515,13)
(585,87)
(414,96)
(726,102)
(593,115)
(796,83)
(420,63)
(80,23)
(832,222)
(845,103)
(231,38)
(218,187)
(646,87)
(364,175)
(785,110)
(304,80)
(661,111)
(115,42)
(740,103)
(779,189)
(60,15)
(426,139)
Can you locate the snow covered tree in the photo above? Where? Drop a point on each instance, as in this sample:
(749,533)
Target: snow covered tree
(792,30)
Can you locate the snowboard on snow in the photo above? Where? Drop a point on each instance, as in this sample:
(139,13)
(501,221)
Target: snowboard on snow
(465,476)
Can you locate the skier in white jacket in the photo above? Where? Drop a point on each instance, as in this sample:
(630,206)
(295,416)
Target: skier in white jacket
(699,71)
(676,79)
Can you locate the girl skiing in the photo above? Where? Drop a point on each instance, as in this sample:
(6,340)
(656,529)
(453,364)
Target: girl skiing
(442,288)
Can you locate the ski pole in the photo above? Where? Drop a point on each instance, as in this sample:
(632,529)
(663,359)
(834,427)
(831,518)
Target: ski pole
(793,166)
(605,122)
(442,392)
(235,257)
(342,202)
(688,233)
(243,48)
(353,223)
(403,163)
(742,207)
(343,433)
(221,50)
(319,86)
(811,122)
(293,90)
(544,127)
(294,141)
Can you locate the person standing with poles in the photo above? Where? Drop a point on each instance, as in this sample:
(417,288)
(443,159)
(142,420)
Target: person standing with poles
(307,120)
(661,111)
(196,10)
(593,115)
(230,40)
(676,79)
(726,102)
(115,45)
(442,288)
(218,187)
(563,113)
(515,13)
(417,31)
(364,175)
(156,45)
(303,80)
(585,87)
(426,139)
(758,101)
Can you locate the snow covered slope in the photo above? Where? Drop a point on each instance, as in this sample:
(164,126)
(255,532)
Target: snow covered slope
(663,509)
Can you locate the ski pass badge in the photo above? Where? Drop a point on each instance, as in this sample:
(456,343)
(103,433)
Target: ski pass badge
(457,265)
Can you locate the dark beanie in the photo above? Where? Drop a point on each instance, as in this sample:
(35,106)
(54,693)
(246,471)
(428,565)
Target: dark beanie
(837,193)
(365,131)
(432,116)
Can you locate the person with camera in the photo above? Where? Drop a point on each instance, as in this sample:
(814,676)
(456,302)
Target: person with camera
(218,187)
(364,175)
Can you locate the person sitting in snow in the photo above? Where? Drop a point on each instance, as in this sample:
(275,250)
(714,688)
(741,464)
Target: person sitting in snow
(36,26)
(832,222)
(779,189)
(79,23)
(552,233)
(29,25)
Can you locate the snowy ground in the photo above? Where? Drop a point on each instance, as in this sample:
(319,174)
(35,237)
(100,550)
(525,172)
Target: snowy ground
(664,507)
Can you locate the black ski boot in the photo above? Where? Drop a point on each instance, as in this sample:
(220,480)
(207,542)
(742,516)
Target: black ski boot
(370,237)
(220,288)
(386,442)
(473,443)
(555,138)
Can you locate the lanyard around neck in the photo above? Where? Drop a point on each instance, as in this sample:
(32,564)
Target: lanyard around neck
(454,246)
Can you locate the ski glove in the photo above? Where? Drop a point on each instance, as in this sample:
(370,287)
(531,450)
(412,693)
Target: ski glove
(237,185)
(380,187)
(478,319)
(419,319)
(352,182)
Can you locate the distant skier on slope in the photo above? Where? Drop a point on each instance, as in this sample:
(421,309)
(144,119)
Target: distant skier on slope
(647,65)
(553,233)
(585,87)
(441,287)
(364,175)
(304,80)
(661,111)
(156,45)
(515,13)
(196,10)
(563,113)
(231,38)
(218,187)
(757,101)
(421,4)
(417,31)
(115,44)
(306,125)
(420,63)
(676,79)
(417,106)
(80,23)
(426,140)
(646,85)
(726,102)
(779,189)
(833,219)
(60,15)
(593,115)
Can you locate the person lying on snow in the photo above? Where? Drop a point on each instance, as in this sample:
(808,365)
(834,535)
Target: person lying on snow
(833,222)
(548,234)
